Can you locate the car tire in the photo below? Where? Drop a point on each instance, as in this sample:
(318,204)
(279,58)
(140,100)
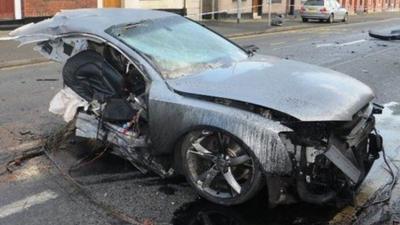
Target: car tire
(208,177)
(331,18)
(345,18)
(305,20)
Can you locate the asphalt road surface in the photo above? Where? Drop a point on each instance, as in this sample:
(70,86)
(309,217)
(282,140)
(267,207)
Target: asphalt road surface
(114,192)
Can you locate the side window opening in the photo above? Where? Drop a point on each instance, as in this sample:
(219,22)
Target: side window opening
(112,86)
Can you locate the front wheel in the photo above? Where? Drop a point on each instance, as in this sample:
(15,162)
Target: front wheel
(220,167)
(305,20)
(345,18)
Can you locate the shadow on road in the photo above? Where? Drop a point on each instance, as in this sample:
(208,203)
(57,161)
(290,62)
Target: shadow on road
(255,212)
(76,156)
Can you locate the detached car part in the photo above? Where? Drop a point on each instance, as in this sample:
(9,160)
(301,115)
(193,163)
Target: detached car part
(173,97)
(387,34)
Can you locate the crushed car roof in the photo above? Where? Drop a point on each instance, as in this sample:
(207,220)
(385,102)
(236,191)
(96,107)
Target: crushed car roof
(92,21)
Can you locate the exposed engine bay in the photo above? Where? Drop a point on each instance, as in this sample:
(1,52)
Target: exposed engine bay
(331,160)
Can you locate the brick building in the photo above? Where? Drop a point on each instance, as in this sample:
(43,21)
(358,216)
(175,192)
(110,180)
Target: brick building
(19,9)
(23,9)
(191,8)
(249,8)
(369,6)
(256,8)
(195,9)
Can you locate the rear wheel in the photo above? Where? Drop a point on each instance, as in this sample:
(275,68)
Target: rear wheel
(305,20)
(331,18)
(220,167)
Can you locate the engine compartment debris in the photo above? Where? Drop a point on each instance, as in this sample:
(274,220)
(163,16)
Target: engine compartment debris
(378,197)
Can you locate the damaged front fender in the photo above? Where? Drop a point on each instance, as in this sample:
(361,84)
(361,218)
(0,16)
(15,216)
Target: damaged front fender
(172,116)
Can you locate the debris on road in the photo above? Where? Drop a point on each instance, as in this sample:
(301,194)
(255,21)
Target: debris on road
(387,34)
(11,165)
(25,132)
(277,20)
(381,45)
(47,79)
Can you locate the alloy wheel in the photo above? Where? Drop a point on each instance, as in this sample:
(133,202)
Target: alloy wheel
(220,167)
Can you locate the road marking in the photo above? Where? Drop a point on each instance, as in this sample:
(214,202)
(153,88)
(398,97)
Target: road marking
(352,42)
(26,203)
(324,45)
(26,65)
(310,29)
(277,43)
(340,45)
(5,38)
(303,39)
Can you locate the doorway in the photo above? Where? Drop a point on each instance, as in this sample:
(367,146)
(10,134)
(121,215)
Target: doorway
(291,7)
(6,9)
(257,7)
(112,3)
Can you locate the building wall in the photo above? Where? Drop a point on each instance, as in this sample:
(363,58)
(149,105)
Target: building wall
(370,6)
(36,8)
(6,9)
(230,6)
(193,9)
(279,8)
(154,4)
(192,6)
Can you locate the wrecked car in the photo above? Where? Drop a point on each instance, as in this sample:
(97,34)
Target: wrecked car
(174,97)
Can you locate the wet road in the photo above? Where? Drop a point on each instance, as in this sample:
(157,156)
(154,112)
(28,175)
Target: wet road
(112,182)
(345,48)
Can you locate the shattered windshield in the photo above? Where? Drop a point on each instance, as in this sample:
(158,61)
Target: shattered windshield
(177,46)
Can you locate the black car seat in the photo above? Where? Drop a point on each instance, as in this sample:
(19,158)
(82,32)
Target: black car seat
(134,81)
(92,77)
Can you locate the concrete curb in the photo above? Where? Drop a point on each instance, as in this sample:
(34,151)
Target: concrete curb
(297,27)
(271,30)
(22,62)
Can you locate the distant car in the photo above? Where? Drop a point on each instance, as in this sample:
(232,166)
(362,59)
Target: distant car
(323,10)
(173,97)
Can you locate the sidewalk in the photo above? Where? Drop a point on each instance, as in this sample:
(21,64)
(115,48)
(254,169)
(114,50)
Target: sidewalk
(230,28)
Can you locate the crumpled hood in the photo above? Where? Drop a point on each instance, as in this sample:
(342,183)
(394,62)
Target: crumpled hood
(306,92)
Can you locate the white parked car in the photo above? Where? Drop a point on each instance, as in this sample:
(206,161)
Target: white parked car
(323,10)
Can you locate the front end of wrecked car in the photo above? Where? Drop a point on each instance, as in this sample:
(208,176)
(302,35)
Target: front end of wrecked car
(331,159)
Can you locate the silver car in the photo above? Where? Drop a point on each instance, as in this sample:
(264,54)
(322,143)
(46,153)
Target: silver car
(323,10)
(173,97)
